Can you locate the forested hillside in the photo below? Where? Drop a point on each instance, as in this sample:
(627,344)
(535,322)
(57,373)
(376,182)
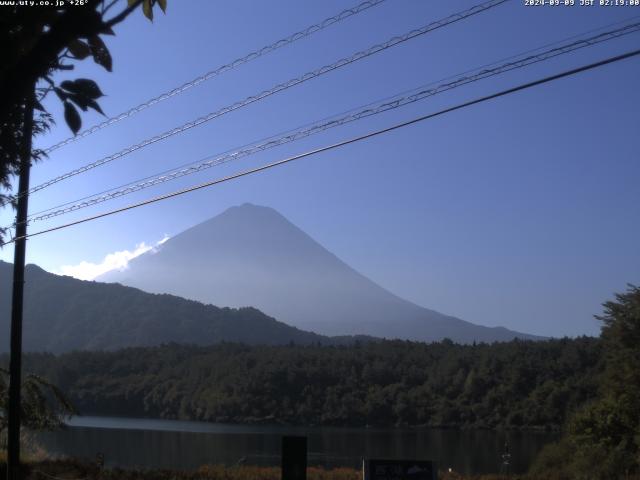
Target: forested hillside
(63,314)
(514,385)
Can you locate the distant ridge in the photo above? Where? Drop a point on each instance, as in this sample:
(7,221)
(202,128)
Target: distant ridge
(252,255)
(62,314)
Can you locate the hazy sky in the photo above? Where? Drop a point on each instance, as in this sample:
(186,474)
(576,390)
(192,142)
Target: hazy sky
(522,212)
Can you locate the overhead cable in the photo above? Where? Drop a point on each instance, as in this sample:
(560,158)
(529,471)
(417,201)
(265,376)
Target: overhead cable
(390,103)
(310,30)
(396,126)
(397,40)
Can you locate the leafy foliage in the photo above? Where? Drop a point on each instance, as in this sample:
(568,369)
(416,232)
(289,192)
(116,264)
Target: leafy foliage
(38,43)
(513,385)
(44,406)
(602,440)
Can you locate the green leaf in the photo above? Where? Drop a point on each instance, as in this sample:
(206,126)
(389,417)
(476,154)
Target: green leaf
(80,100)
(131,2)
(83,86)
(72,117)
(79,49)
(68,85)
(61,95)
(163,5)
(100,53)
(93,104)
(89,88)
(147,9)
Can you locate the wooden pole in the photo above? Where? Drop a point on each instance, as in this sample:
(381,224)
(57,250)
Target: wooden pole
(20,245)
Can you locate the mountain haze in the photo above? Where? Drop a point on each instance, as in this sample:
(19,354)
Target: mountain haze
(253,256)
(63,314)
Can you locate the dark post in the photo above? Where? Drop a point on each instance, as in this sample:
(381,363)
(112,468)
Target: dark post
(294,458)
(15,366)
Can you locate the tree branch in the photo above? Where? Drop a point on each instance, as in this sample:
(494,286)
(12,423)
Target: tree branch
(73,23)
(108,7)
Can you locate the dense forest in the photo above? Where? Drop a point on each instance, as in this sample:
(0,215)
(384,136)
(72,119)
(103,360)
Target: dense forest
(519,384)
(601,440)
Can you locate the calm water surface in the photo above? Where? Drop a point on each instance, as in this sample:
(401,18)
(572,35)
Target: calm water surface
(145,443)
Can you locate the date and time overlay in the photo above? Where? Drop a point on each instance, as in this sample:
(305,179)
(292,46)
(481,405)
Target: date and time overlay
(581,3)
(526,3)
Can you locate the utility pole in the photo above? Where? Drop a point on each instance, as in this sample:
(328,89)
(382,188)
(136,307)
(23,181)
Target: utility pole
(20,245)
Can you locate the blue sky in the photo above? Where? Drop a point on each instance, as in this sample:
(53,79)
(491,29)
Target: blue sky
(522,212)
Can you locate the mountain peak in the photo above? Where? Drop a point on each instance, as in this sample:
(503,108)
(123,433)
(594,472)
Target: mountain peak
(248,207)
(34,268)
(29,267)
(246,214)
(251,255)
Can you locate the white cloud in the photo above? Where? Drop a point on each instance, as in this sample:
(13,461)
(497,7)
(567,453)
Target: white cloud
(116,260)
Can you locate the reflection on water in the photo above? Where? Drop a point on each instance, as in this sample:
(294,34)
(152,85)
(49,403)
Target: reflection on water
(186,445)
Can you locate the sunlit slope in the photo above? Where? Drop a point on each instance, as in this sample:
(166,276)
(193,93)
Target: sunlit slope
(253,256)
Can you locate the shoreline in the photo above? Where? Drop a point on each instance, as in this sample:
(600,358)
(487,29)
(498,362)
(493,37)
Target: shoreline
(266,424)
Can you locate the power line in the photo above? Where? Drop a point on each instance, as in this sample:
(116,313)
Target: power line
(388,98)
(310,30)
(280,87)
(342,143)
(390,103)
(456,17)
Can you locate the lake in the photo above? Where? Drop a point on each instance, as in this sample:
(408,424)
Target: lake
(147,443)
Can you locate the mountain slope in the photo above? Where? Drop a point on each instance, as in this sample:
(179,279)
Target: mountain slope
(251,255)
(63,314)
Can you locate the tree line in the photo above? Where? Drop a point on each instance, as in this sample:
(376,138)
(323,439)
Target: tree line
(601,439)
(518,384)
